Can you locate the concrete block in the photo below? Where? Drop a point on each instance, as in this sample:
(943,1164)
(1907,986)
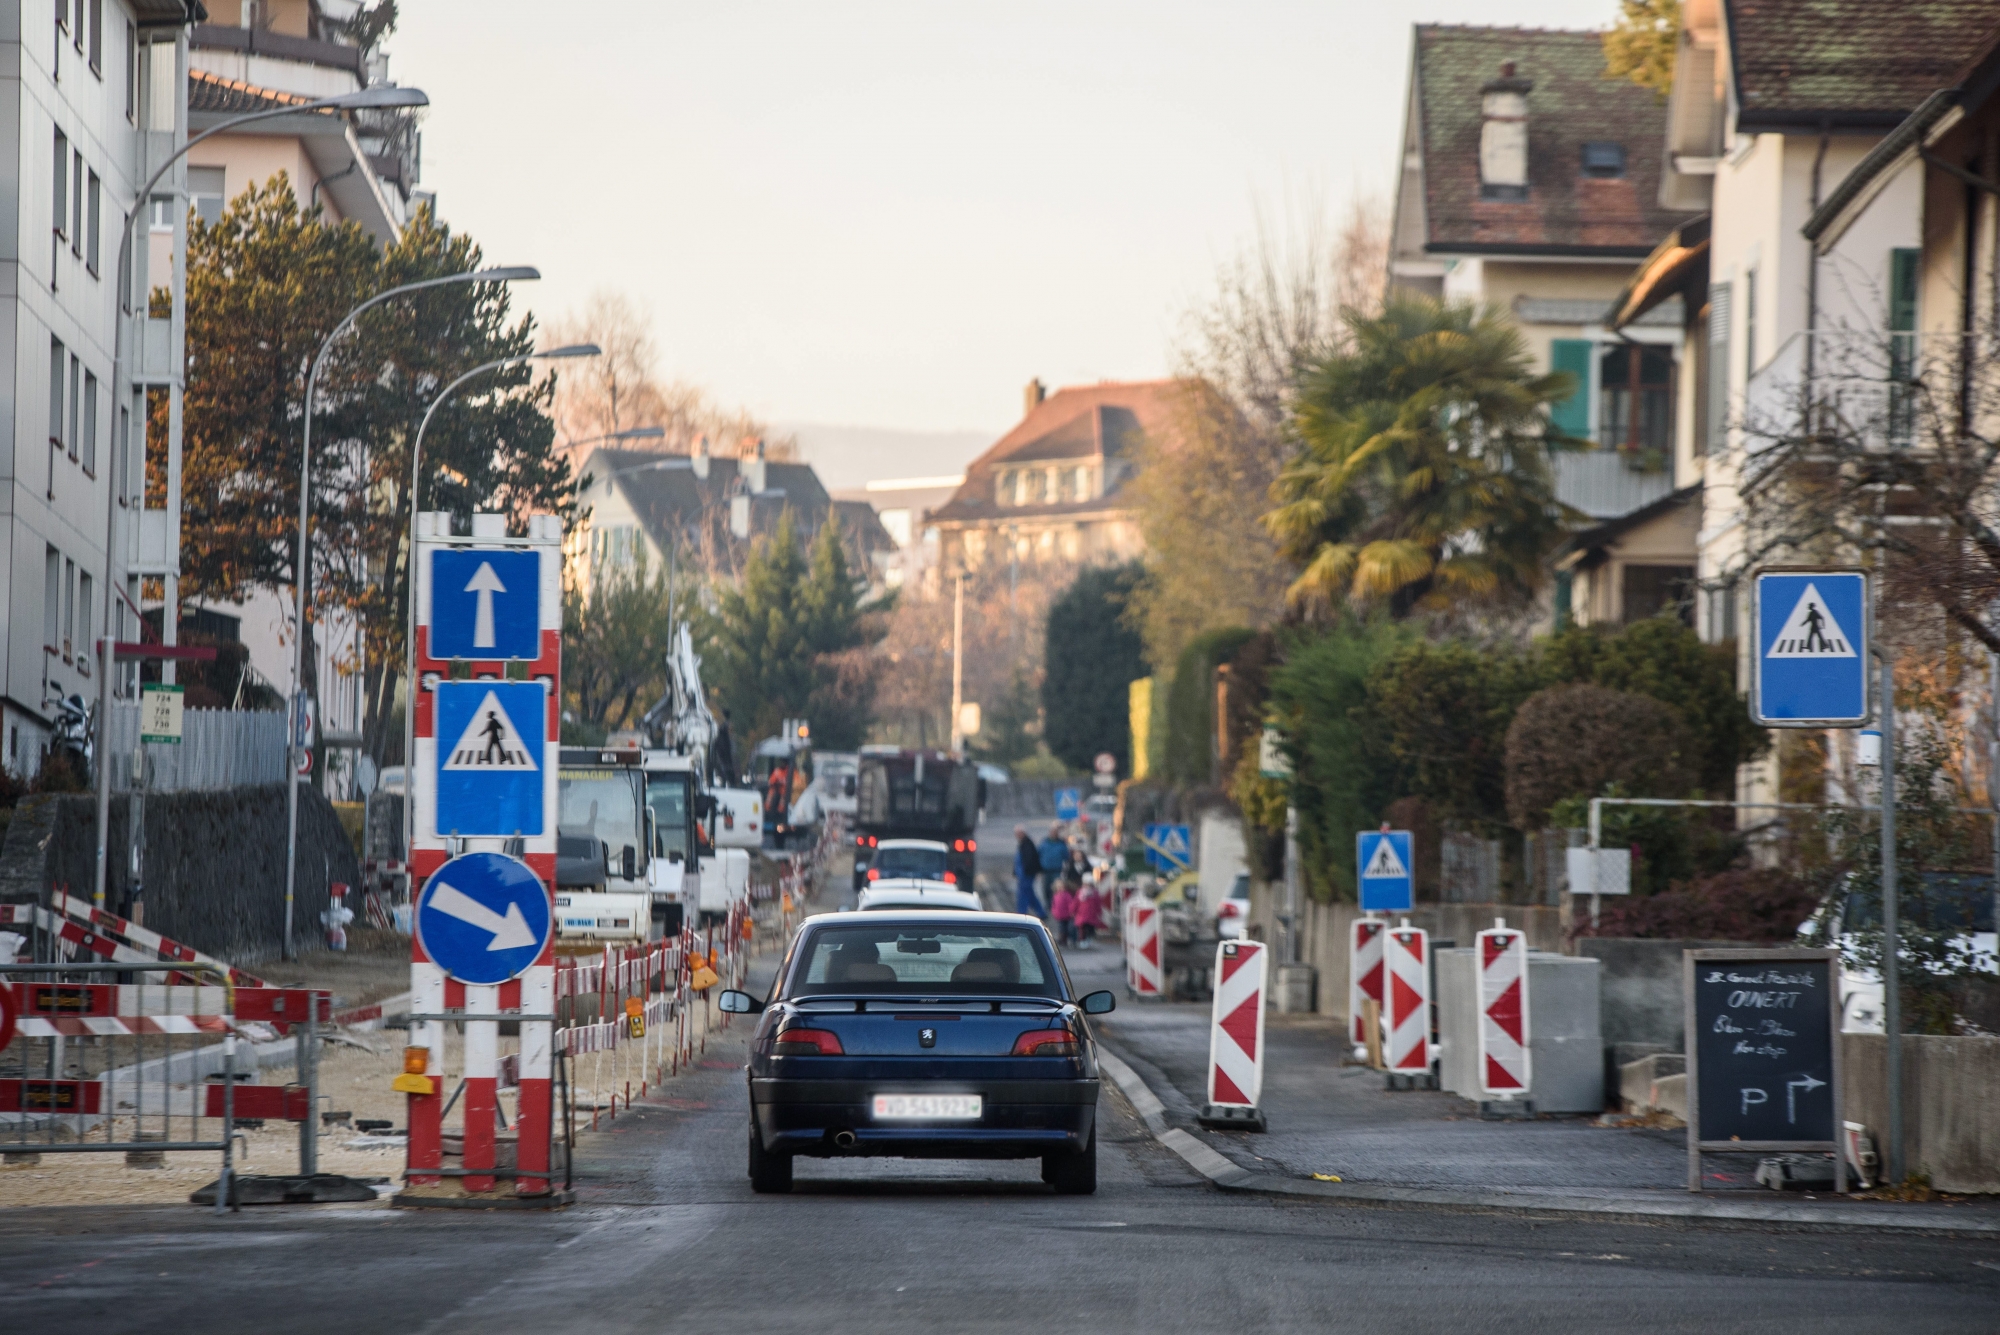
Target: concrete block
(1669,1095)
(1635,1078)
(1565,1045)
(1295,986)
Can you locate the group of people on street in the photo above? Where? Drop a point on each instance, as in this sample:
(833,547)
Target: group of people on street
(1069,895)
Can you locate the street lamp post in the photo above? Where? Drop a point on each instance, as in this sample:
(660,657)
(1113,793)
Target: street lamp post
(361,99)
(410,573)
(294,743)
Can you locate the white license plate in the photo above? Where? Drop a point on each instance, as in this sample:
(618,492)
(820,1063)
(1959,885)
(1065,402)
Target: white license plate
(956,1107)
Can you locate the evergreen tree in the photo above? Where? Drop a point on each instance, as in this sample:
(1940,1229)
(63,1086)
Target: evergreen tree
(1093,657)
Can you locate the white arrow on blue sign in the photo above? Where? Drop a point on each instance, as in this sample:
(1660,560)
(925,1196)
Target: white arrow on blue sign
(486,603)
(1382,861)
(492,755)
(1812,649)
(483,917)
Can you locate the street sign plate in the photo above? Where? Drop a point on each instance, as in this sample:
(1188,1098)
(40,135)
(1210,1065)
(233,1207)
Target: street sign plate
(492,751)
(1382,861)
(1068,803)
(1169,847)
(1812,649)
(486,603)
(1106,763)
(483,918)
(160,712)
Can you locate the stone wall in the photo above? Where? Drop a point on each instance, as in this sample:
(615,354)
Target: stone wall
(1951,1087)
(214,864)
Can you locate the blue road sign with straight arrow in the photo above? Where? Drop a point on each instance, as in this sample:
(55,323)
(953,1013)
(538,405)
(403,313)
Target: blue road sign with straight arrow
(483,917)
(486,603)
(1812,649)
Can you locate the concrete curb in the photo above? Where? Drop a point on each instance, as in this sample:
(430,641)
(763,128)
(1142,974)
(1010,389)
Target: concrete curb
(1624,1207)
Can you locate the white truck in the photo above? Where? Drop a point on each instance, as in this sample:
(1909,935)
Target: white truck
(604,847)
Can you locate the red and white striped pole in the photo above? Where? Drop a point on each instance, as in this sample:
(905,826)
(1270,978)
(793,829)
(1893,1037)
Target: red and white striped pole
(1236,1038)
(1504,1069)
(1406,962)
(1364,974)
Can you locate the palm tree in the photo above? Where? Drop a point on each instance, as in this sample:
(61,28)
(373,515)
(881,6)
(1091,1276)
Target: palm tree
(1422,476)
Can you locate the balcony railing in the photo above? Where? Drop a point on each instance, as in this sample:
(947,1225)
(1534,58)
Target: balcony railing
(1866,388)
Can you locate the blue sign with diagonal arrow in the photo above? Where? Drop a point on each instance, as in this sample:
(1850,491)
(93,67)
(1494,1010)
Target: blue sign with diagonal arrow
(483,917)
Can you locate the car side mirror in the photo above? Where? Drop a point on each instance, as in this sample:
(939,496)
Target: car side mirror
(674,855)
(742,1003)
(1100,1003)
(628,863)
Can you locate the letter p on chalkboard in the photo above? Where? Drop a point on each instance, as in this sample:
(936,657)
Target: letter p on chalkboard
(1763,1054)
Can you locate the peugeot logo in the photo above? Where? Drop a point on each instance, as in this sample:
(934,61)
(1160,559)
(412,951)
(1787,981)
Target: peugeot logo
(927,1037)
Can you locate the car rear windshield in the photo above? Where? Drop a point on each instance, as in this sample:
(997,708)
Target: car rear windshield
(924,961)
(924,864)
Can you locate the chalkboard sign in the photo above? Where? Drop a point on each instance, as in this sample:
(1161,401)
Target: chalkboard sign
(1763,1059)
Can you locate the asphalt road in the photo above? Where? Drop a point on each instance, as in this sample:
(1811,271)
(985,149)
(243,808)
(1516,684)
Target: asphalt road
(668,1235)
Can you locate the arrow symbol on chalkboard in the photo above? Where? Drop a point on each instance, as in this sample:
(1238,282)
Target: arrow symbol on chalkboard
(1805,1082)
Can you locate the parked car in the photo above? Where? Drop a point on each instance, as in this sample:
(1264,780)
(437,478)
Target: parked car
(1951,902)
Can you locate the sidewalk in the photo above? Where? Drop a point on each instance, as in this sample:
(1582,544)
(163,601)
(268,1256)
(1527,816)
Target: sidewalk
(1427,1148)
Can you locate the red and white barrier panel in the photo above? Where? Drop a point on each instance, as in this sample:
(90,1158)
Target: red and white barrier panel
(1407,964)
(1142,948)
(131,934)
(1364,973)
(1502,957)
(86,1010)
(1236,1037)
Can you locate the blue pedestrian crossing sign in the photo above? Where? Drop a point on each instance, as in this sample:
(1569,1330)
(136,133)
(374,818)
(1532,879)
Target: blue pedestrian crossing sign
(483,917)
(1170,848)
(1069,801)
(1382,862)
(1812,649)
(486,603)
(492,757)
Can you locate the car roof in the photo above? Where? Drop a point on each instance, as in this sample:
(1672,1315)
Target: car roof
(935,844)
(932,917)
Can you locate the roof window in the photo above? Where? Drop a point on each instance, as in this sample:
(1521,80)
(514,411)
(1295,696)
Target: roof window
(1603,159)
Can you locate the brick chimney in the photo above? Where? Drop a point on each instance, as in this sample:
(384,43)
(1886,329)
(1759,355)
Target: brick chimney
(1503,138)
(1032,396)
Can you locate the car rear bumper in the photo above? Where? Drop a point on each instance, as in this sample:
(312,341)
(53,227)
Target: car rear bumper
(1020,1118)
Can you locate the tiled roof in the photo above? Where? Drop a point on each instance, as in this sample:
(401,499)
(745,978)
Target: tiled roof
(232,97)
(1571,103)
(1850,62)
(670,499)
(1109,418)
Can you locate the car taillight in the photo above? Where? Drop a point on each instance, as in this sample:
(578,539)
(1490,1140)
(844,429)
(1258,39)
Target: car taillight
(871,841)
(1230,909)
(1045,1043)
(958,845)
(972,845)
(874,873)
(951,878)
(807,1043)
(861,841)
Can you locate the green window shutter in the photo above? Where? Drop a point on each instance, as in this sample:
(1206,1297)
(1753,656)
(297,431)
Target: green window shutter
(1572,415)
(1903,290)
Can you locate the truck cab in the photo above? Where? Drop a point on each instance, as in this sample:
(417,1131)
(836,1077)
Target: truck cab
(604,847)
(917,794)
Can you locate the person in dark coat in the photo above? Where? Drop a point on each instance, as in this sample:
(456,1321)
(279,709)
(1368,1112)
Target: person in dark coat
(722,754)
(1027,866)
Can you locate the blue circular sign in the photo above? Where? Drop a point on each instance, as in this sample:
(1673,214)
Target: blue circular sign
(483,918)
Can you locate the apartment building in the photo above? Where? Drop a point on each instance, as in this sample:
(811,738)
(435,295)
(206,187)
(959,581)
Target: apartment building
(91,89)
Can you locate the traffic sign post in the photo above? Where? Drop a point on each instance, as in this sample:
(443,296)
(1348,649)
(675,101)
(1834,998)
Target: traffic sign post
(1069,803)
(1169,848)
(1382,860)
(487,653)
(1812,640)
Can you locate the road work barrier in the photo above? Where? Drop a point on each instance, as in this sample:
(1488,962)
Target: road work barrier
(1406,965)
(1236,1037)
(1141,935)
(1364,974)
(1504,1074)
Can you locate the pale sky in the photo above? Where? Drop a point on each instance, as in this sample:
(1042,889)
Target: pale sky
(895,213)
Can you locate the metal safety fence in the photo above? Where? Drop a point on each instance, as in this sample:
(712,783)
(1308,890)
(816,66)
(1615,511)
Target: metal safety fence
(219,748)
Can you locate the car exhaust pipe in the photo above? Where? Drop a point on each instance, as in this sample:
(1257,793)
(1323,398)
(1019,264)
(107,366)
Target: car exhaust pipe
(844,1140)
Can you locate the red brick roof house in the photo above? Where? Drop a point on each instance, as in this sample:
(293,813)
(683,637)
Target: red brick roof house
(1053,489)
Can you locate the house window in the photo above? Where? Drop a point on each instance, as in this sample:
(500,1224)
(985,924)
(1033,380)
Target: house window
(60,195)
(1603,159)
(1715,405)
(121,463)
(58,359)
(1902,344)
(1572,415)
(84,588)
(97,38)
(68,609)
(1003,490)
(1636,404)
(93,221)
(1749,325)
(205,193)
(132,73)
(1652,590)
(76,203)
(75,404)
(52,599)
(90,423)
(78,26)
(1722,613)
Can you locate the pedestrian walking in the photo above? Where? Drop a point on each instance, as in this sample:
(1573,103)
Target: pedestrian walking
(1051,854)
(1062,908)
(1089,914)
(1027,866)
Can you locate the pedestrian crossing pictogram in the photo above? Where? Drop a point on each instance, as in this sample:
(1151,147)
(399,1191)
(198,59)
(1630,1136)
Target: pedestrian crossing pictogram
(490,743)
(1385,862)
(1811,631)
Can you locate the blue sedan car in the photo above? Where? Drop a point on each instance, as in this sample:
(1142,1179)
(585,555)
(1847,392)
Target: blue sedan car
(928,1034)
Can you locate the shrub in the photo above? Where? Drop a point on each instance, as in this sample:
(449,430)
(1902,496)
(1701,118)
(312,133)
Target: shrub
(1571,741)
(1760,906)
